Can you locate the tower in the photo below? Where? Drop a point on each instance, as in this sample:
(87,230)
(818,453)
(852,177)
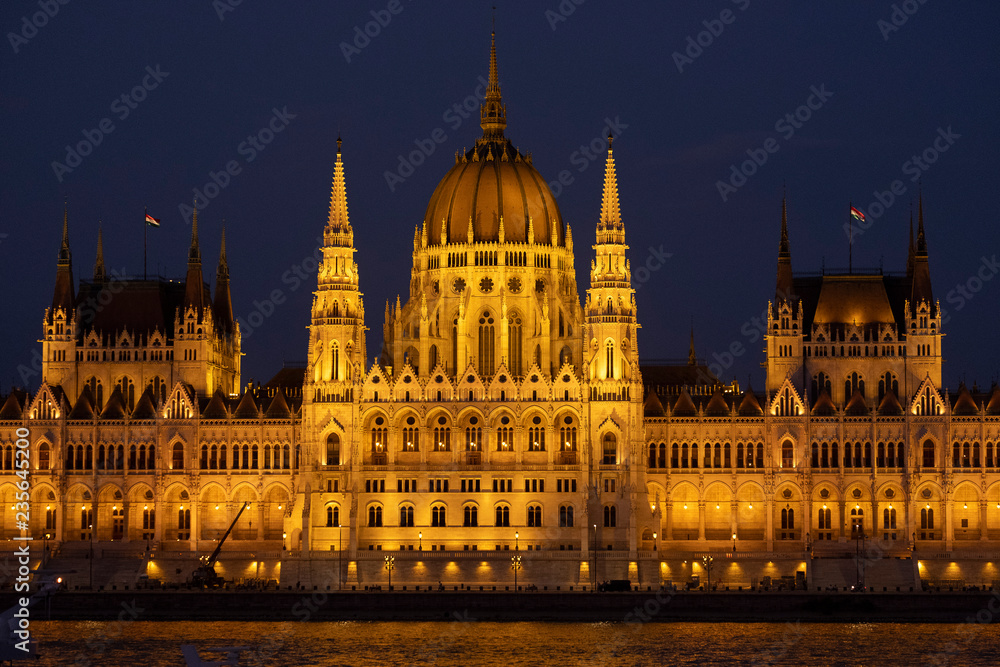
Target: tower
(784,326)
(60,323)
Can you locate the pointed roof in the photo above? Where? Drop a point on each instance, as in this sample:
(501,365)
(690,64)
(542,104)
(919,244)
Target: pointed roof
(717,406)
(12,408)
(216,408)
(856,407)
(115,407)
(992,406)
(964,404)
(145,407)
(652,407)
(279,407)
(84,407)
(100,275)
(824,406)
(692,358)
(338,218)
(247,409)
(890,404)
(684,406)
(492,112)
(750,406)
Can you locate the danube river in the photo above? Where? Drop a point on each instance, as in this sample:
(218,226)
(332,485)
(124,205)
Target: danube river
(462,641)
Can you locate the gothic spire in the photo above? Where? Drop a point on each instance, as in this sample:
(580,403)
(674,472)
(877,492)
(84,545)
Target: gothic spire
(783,284)
(338,219)
(492,112)
(692,358)
(64,294)
(611,217)
(223,304)
(921,286)
(921,248)
(100,275)
(194,285)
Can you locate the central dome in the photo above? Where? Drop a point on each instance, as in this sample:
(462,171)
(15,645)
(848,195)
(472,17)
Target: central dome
(491,181)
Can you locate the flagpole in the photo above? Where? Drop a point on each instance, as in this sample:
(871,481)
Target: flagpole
(850,238)
(145,212)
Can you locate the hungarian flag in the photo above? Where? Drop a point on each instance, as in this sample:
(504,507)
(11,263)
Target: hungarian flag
(151,221)
(855,213)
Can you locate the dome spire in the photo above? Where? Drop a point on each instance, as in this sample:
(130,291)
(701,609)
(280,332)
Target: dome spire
(492,113)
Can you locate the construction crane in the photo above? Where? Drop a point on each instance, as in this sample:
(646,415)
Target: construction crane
(205,576)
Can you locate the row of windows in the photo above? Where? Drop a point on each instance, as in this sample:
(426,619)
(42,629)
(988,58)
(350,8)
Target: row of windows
(143,457)
(470,516)
(683,456)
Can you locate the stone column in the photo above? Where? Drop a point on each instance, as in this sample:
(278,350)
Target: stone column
(195,524)
(841,521)
(668,531)
(769,523)
(982,520)
(733,510)
(701,520)
(949,523)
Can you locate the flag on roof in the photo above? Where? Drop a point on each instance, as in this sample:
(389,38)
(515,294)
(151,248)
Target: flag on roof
(151,221)
(857,215)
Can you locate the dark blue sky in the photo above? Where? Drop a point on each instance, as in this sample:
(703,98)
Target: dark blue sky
(220,80)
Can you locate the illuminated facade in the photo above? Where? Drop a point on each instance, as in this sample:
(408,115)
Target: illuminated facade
(502,414)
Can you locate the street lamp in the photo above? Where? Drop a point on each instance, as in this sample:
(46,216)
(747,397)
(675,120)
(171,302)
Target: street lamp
(654,542)
(390,563)
(734,544)
(707,563)
(420,536)
(515,564)
(595,556)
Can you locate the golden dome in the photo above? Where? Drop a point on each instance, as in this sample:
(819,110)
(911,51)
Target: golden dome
(490,181)
(493,181)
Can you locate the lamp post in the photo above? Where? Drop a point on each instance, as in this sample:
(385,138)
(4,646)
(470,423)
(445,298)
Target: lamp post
(734,544)
(654,543)
(707,563)
(390,563)
(595,557)
(515,562)
(420,536)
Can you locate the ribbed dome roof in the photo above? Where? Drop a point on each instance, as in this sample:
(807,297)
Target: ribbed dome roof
(493,180)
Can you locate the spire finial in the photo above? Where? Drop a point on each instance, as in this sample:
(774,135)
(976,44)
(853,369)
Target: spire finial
(99,272)
(921,239)
(492,113)
(65,230)
(784,249)
(223,261)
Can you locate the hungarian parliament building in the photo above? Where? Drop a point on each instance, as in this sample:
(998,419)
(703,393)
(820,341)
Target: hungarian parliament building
(501,414)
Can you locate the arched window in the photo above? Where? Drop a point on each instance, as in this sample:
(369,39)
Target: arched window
(332,516)
(159,387)
(438,516)
(333,450)
(502,516)
(127,388)
(536,435)
(889,518)
(760,455)
(43,456)
(565,356)
(566,516)
(97,389)
(928,454)
(609,362)
(926,519)
(334,361)
(788,519)
(610,443)
(374,517)
(534,516)
(177,462)
(610,516)
(222,457)
(470,516)
(433,358)
(487,344)
(567,438)
(253,457)
(787,454)
(473,439)
(825,516)
(203,461)
(406,516)
(514,342)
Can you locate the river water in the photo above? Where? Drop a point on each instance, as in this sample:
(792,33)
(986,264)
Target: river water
(464,642)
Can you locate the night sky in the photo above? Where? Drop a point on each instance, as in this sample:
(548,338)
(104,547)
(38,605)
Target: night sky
(884,86)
